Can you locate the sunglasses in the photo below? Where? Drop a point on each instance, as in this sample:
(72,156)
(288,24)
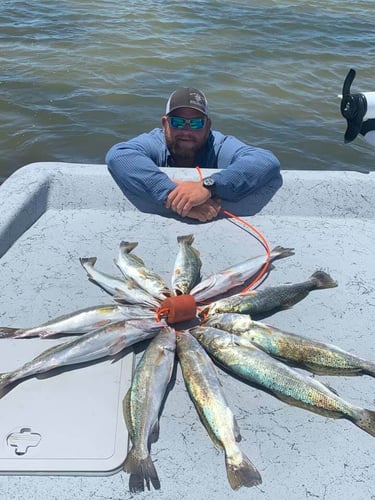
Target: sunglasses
(180,123)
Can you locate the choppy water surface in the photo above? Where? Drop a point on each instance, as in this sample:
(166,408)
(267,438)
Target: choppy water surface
(77,76)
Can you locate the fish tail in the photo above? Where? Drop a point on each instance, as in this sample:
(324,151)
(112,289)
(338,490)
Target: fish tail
(323,280)
(188,239)
(127,246)
(366,421)
(244,474)
(90,261)
(141,471)
(280,252)
(6,332)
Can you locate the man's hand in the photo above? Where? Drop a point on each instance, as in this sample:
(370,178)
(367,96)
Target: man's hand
(186,195)
(206,211)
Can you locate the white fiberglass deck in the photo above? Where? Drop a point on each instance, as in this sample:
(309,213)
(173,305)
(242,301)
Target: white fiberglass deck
(52,214)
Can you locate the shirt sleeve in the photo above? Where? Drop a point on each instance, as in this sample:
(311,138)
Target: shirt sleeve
(243,169)
(134,167)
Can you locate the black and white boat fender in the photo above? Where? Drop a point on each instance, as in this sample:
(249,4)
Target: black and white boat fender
(359,111)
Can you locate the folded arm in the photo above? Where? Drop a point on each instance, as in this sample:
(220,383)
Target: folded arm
(133,165)
(243,169)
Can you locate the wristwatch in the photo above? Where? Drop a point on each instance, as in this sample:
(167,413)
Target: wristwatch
(209,183)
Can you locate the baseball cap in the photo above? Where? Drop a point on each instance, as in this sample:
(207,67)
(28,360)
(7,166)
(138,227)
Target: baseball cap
(187,98)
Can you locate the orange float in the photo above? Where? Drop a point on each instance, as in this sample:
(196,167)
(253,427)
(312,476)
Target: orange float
(178,308)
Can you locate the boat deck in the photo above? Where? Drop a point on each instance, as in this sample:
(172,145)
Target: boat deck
(55,213)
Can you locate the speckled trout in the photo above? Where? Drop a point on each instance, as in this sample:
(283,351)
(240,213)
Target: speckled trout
(106,341)
(270,299)
(187,267)
(255,366)
(133,267)
(317,357)
(126,290)
(205,390)
(234,276)
(142,405)
(81,321)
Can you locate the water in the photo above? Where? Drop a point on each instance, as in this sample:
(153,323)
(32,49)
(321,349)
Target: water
(78,76)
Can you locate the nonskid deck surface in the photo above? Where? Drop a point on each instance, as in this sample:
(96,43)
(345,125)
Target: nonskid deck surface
(57,213)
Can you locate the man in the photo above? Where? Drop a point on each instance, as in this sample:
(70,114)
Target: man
(186,140)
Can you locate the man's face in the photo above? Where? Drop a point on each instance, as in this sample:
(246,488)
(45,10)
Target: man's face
(185,143)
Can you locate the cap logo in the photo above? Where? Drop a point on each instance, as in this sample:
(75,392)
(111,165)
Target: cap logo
(196,98)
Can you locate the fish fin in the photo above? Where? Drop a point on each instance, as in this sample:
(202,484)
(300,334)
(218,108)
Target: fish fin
(120,300)
(92,280)
(366,421)
(249,293)
(116,348)
(285,307)
(126,409)
(87,261)
(188,239)
(160,357)
(244,474)
(195,252)
(141,471)
(208,284)
(236,340)
(236,430)
(6,332)
(234,278)
(322,280)
(331,389)
(280,252)
(322,370)
(127,246)
(154,433)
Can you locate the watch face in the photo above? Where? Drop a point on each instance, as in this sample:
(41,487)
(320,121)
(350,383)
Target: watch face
(208,182)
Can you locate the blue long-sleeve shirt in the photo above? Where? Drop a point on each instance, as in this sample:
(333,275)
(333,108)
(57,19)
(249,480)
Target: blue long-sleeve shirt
(243,169)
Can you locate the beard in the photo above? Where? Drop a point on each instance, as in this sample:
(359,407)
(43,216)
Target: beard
(184,148)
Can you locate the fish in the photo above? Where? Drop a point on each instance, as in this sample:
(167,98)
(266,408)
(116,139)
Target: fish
(187,267)
(317,357)
(205,390)
(142,405)
(81,321)
(107,341)
(243,359)
(134,268)
(270,299)
(7,333)
(126,291)
(238,274)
